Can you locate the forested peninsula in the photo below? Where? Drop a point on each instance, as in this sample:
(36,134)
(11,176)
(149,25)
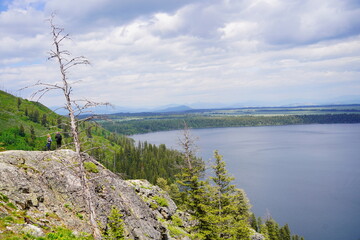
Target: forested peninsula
(129,124)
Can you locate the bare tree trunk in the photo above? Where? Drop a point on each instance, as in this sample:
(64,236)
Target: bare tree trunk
(74,109)
(187,144)
(73,124)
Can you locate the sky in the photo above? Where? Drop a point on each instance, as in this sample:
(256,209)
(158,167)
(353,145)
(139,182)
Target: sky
(151,53)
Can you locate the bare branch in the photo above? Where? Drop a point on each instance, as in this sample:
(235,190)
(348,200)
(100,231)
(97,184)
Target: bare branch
(72,106)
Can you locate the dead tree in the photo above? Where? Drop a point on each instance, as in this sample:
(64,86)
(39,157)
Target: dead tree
(188,146)
(74,108)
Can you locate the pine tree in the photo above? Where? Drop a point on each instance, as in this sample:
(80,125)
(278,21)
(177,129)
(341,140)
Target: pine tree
(21,131)
(195,197)
(285,233)
(44,120)
(32,133)
(254,223)
(35,116)
(273,229)
(264,231)
(231,206)
(18,103)
(115,227)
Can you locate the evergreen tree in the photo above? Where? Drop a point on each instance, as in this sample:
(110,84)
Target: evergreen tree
(242,204)
(254,223)
(18,103)
(273,229)
(35,116)
(44,120)
(297,237)
(163,184)
(195,195)
(242,230)
(264,231)
(115,227)
(32,133)
(200,207)
(21,131)
(284,233)
(231,206)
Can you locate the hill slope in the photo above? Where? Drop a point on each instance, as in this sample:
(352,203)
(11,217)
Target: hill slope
(24,125)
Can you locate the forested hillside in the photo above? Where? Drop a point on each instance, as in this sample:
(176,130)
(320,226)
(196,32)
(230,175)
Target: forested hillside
(24,125)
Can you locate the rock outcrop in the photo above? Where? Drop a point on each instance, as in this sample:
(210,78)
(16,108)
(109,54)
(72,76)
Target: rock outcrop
(46,185)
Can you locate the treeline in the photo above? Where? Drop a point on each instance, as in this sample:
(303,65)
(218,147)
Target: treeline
(130,127)
(138,161)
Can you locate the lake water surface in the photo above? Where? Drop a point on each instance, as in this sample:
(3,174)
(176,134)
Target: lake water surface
(305,175)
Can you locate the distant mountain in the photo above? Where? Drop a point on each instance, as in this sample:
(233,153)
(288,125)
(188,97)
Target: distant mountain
(181,108)
(104,110)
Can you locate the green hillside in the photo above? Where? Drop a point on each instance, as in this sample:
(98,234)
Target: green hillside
(24,125)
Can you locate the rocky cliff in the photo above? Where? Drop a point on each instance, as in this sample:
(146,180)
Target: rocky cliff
(46,188)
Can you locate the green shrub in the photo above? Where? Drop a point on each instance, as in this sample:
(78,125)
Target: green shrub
(4,198)
(115,228)
(67,205)
(11,205)
(91,167)
(65,234)
(176,220)
(80,216)
(161,201)
(176,231)
(153,205)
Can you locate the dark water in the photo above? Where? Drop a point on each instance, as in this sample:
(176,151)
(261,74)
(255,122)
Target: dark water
(306,175)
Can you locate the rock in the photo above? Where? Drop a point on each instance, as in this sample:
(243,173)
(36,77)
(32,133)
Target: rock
(256,236)
(27,229)
(47,186)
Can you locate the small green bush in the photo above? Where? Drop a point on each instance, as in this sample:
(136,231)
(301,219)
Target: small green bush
(67,205)
(161,201)
(11,205)
(153,205)
(176,220)
(65,234)
(4,198)
(176,231)
(80,216)
(115,228)
(91,167)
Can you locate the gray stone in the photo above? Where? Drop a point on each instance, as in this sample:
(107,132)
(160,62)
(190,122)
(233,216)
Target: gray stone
(27,229)
(47,186)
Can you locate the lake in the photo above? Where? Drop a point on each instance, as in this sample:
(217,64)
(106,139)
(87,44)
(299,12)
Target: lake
(305,175)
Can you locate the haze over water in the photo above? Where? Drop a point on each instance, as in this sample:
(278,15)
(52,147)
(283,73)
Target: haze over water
(305,175)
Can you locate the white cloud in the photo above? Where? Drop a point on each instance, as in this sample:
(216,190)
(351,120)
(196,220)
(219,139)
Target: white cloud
(190,51)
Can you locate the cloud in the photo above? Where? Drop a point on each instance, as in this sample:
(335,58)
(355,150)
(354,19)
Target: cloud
(159,52)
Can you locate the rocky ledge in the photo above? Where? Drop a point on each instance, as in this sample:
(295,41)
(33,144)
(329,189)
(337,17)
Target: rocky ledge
(46,186)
